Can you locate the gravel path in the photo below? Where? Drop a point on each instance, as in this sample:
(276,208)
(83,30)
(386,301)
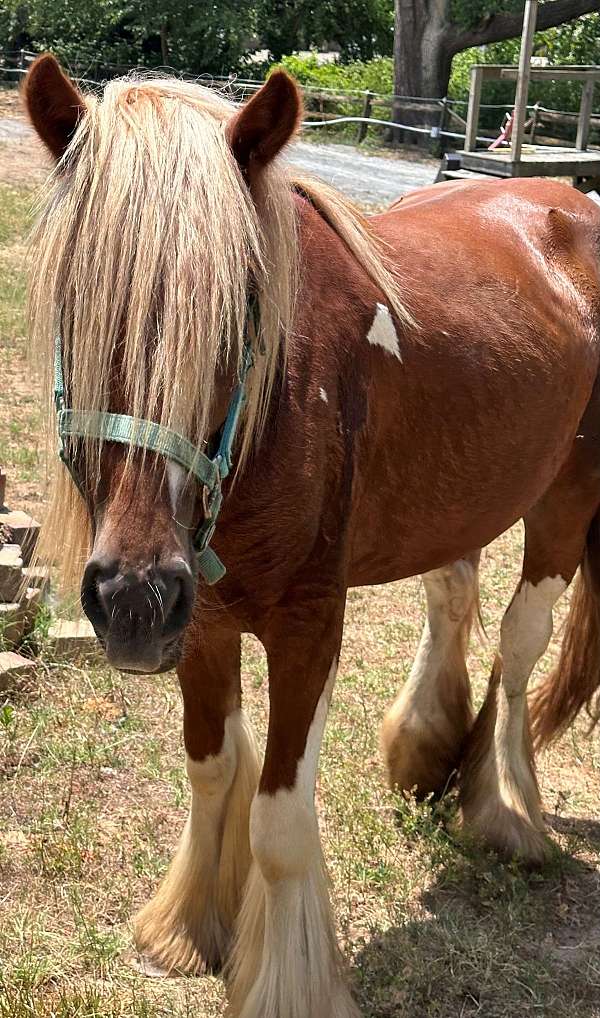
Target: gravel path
(370,180)
(12,129)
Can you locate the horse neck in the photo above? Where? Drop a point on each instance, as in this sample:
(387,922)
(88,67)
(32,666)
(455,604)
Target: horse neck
(335,290)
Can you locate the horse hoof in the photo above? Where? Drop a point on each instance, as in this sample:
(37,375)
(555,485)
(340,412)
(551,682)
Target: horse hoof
(147,967)
(512,836)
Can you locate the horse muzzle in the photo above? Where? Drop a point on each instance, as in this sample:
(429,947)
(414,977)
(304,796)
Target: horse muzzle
(139,614)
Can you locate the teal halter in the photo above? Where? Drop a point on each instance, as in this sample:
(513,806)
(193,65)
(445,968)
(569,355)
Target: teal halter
(209,471)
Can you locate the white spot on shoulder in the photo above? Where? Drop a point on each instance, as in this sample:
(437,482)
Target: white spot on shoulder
(323,395)
(383,332)
(176,476)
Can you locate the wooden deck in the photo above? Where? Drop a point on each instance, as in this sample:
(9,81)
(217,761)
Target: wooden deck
(535,161)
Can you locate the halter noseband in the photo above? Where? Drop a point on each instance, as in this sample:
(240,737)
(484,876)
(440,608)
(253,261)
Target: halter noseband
(211,471)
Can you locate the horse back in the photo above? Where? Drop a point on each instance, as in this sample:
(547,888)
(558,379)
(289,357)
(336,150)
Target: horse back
(478,416)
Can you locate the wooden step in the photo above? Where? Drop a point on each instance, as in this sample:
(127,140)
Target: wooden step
(466,175)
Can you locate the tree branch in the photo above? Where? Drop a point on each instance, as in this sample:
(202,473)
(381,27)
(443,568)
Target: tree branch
(497,27)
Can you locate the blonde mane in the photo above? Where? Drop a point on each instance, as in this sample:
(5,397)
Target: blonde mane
(147,245)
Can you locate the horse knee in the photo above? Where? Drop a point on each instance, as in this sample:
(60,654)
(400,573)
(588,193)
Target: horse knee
(284,836)
(212,776)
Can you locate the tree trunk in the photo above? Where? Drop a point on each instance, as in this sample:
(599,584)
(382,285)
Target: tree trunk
(426,39)
(422,59)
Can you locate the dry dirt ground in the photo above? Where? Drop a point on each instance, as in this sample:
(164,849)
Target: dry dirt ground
(10,105)
(93,795)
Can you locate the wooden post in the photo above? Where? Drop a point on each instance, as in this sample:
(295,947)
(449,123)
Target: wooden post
(585,112)
(443,121)
(534,123)
(2,487)
(520,114)
(473,108)
(366,113)
(165,55)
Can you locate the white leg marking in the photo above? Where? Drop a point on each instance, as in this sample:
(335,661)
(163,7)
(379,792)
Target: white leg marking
(383,332)
(323,394)
(306,775)
(450,594)
(501,800)
(284,825)
(176,477)
(526,630)
(424,728)
(210,779)
(287,962)
(188,924)
(524,636)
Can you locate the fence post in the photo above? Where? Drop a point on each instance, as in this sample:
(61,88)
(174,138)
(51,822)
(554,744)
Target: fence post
(22,60)
(366,113)
(440,147)
(534,123)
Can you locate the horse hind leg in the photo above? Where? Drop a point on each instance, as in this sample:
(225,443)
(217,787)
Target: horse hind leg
(499,794)
(424,730)
(575,681)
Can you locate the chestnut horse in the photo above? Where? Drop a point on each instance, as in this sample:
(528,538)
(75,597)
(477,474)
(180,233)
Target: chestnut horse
(421,380)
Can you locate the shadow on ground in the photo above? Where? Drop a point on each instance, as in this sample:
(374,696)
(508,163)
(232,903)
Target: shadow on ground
(494,940)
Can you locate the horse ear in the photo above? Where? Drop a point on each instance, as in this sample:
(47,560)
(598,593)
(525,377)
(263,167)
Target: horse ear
(55,106)
(266,123)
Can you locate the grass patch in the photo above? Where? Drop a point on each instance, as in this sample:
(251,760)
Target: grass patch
(16,205)
(21,443)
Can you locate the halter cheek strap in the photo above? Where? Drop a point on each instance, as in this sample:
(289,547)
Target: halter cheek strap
(209,471)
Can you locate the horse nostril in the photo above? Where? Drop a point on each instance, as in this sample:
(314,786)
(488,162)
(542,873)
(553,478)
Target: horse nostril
(179,599)
(91,599)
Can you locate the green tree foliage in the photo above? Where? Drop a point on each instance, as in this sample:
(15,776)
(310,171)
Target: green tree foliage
(200,38)
(80,30)
(468,13)
(376,75)
(13,26)
(216,39)
(207,38)
(361,29)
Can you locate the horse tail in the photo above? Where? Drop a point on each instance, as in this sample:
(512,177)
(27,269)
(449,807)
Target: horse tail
(575,682)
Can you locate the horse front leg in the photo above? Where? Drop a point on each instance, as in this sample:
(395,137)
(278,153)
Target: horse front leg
(286,962)
(187,927)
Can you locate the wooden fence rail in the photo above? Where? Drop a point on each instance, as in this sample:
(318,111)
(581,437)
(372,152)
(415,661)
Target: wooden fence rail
(433,119)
